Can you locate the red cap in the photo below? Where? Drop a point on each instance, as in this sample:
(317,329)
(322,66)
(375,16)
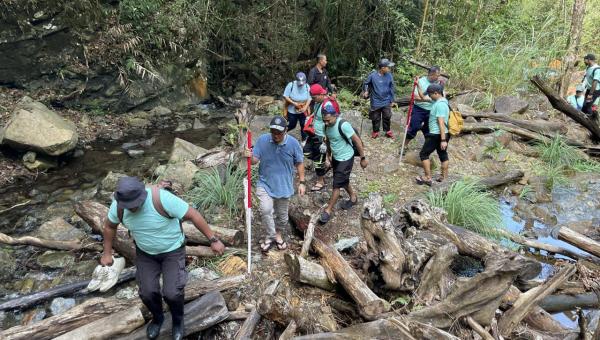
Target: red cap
(316,89)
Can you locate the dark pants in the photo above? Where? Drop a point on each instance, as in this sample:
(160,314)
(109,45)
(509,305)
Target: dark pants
(381,114)
(419,121)
(432,143)
(172,267)
(294,119)
(312,152)
(587,105)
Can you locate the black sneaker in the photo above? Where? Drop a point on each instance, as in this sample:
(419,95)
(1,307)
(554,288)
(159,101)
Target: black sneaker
(153,329)
(178,331)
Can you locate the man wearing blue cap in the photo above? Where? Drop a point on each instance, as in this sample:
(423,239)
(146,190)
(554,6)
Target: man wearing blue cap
(380,86)
(297,98)
(153,216)
(279,155)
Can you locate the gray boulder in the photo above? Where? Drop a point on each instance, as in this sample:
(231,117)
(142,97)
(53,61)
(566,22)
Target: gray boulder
(61,305)
(181,172)
(198,124)
(160,111)
(185,151)
(109,183)
(34,127)
(510,104)
(40,163)
(55,260)
(8,264)
(58,230)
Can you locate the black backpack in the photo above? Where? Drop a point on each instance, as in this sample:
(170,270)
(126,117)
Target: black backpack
(356,153)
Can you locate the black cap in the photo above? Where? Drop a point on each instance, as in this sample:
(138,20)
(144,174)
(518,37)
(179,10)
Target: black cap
(131,193)
(435,88)
(278,123)
(385,63)
(590,56)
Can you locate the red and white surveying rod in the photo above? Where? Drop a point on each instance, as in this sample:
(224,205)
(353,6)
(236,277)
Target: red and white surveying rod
(408,116)
(248,190)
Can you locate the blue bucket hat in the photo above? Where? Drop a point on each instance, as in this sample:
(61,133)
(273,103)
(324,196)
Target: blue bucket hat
(131,193)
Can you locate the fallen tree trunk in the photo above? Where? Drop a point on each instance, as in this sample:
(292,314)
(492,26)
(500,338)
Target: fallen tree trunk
(51,244)
(488,183)
(369,304)
(307,272)
(309,319)
(432,279)
(529,299)
(562,303)
(537,318)
(62,290)
(205,251)
(551,248)
(310,233)
(386,329)
(540,126)
(119,323)
(578,240)
(200,314)
(229,237)
(490,127)
(561,105)
(426,67)
(247,328)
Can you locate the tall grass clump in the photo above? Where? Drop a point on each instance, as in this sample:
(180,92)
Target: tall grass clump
(216,190)
(469,206)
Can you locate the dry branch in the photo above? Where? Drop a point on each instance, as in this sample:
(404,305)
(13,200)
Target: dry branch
(307,272)
(289,331)
(51,244)
(485,335)
(578,240)
(563,302)
(309,319)
(540,126)
(310,233)
(432,279)
(245,332)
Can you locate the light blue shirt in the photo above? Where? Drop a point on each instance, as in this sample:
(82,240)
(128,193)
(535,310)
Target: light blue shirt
(277,164)
(576,102)
(296,93)
(590,76)
(423,84)
(319,124)
(340,149)
(152,232)
(438,109)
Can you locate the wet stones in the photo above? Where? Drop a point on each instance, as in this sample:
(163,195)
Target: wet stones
(55,260)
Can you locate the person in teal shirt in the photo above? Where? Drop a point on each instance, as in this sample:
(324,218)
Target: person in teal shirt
(422,105)
(438,136)
(577,100)
(592,83)
(160,246)
(340,137)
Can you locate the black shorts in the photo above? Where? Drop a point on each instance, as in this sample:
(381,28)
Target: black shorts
(341,172)
(432,142)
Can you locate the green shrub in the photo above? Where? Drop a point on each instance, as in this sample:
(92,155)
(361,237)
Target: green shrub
(558,153)
(467,205)
(587,166)
(553,175)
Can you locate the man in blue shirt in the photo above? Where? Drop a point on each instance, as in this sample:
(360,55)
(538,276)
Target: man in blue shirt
(152,216)
(279,155)
(380,84)
(422,105)
(297,96)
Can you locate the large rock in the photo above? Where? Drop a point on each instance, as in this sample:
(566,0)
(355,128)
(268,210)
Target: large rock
(54,260)
(465,109)
(181,172)
(185,151)
(61,305)
(59,230)
(510,104)
(109,183)
(8,264)
(34,127)
(474,98)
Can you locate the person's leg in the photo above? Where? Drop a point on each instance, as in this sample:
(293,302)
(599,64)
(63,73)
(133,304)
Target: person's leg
(302,120)
(335,194)
(443,155)
(281,206)
(321,169)
(386,113)
(375,116)
(148,269)
(174,280)
(425,124)
(428,147)
(415,124)
(266,212)
(292,121)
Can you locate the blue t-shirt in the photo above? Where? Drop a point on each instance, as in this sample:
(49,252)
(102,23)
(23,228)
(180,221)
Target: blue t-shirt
(382,89)
(296,93)
(340,149)
(153,233)
(438,109)
(277,164)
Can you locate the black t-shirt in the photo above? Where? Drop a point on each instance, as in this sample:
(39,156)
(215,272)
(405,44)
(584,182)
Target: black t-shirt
(321,78)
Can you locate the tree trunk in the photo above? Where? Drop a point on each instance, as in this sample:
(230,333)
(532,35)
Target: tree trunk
(369,304)
(578,240)
(113,325)
(432,279)
(205,251)
(229,237)
(423,20)
(289,331)
(245,332)
(490,182)
(310,233)
(62,290)
(426,67)
(309,319)
(51,244)
(573,41)
(200,314)
(537,318)
(561,105)
(562,303)
(527,300)
(307,272)
(539,126)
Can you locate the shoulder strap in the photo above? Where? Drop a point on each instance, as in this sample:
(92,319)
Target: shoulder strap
(120,213)
(157,203)
(341,132)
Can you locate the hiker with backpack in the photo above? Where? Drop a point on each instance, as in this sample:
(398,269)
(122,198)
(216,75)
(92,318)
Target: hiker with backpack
(423,103)
(343,144)
(297,98)
(592,83)
(379,85)
(279,155)
(438,135)
(152,216)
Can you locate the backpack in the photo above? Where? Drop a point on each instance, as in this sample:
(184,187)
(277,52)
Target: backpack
(356,153)
(455,122)
(309,125)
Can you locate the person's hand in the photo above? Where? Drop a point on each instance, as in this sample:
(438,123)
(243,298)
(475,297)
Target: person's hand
(364,163)
(323,148)
(218,247)
(247,152)
(106,260)
(297,105)
(393,104)
(365,94)
(301,189)
(588,97)
(417,78)
(443,145)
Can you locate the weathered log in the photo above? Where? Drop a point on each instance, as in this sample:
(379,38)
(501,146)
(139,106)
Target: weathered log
(485,335)
(540,126)
(94,309)
(310,233)
(488,183)
(245,332)
(490,127)
(200,314)
(309,319)
(536,318)
(289,331)
(307,272)
(578,240)
(213,158)
(369,304)
(527,300)
(425,66)
(62,290)
(237,315)
(113,325)
(399,327)
(561,303)
(378,230)
(52,244)
(229,237)
(561,105)
(205,251)
(432,282)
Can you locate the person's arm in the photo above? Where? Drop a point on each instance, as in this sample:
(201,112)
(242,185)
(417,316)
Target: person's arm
(287,95)
(200,223)
(301,184)
(366,85)
(329,85)
(108,235)
(361,150)
(306,105)
(421,96)
(444,141)
(392,90)
(255,153)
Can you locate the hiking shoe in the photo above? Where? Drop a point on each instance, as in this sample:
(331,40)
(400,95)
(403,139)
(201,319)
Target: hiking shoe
(99,275)
(112,275)
(375,135)
(178,331)
(389,134)
(153,329)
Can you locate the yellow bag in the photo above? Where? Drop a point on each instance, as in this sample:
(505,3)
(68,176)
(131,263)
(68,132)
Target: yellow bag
(455,122)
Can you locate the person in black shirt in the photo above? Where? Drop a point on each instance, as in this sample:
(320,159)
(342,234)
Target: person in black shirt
(318,75)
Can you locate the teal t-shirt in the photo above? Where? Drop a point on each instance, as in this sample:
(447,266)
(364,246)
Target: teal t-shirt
(423,84)
(576,102)
(340,149)
(318,121)
(152,232)
(438,109)
(590,76)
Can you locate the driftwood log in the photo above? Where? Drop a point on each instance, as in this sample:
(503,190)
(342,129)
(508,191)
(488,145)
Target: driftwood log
(229,237)
(432,279)
(247,328)
(477,328)
(537,318)
(561,105)
(578,240)
(113,325)
(540,126)
(309,319)
(310,233)
(51,244)
(307,272)
(489,182)
(289,331)
(563,302)
(62,290)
